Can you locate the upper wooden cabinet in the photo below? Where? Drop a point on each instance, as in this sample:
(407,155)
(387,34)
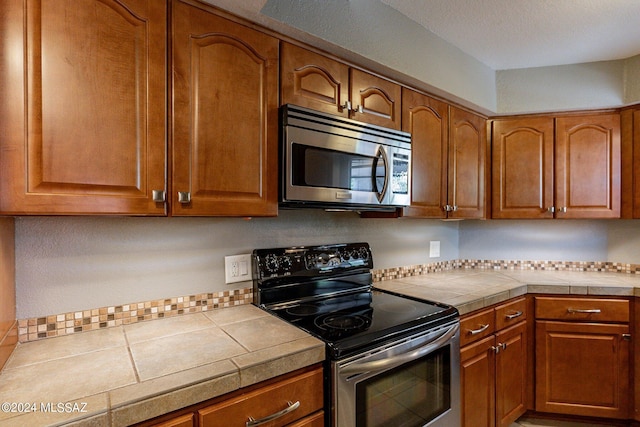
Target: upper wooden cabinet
(225,116)
(567,167)
(448,155)
(311,80)
(314,81)
(83,106)
(467,164)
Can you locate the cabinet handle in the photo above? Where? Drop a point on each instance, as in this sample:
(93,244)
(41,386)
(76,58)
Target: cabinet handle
(626,337)
(346,106)
(358,109)
(479,330)
(581,311)
(502,346)
(184,197)
(551,209)
(159,196)
(290,408)
(562,209)
(514,315)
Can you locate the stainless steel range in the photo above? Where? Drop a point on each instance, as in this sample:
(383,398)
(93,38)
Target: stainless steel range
(391,360)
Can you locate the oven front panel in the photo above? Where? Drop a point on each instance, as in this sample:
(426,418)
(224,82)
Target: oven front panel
(420,389)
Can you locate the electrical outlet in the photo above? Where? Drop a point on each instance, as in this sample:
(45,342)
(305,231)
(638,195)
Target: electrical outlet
(434,249)
(237,268)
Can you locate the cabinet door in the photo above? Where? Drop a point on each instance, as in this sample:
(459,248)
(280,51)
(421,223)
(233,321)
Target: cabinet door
(427,121)
(314,81)
(582,369)
(522,163)
(477,379)
(467,163)
(635,135)
(225,117)
(82,110)
(511,374)
(306,389)
(379,99)
(588,166)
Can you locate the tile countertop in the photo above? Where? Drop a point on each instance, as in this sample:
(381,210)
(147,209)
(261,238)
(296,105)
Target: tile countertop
(123,375)
(470,290)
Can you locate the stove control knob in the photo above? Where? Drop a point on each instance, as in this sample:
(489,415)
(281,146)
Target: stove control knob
(271,263)
(285,263)
(363,254)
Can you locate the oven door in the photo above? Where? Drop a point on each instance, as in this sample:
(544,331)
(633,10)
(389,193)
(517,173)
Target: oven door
(414,382)
(335,169)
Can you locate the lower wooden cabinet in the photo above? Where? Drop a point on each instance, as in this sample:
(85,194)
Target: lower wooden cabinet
(582,356)
(186,420)
(494,365)
(284,402)
(292,400)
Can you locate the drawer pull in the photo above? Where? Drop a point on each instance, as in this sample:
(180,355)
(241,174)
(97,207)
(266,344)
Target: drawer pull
(479,330)
(513,315)
(581,311)
(290,408)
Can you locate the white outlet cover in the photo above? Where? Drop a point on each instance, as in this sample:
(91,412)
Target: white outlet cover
(237,268)
(434,249)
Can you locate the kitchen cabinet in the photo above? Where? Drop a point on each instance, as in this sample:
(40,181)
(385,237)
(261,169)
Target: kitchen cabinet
(630,122)
(582,356)
(309,79)
(635,361)
(296,398)
(564,167)
(494,357)
(448,154)
(83,106)
(186,420)
(224,135)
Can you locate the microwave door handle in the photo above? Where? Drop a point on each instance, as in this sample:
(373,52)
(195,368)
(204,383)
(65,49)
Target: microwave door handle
(386,363)
(381,155)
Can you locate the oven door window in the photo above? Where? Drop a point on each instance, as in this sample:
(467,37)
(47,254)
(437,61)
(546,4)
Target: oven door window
(410,395)
(320,167)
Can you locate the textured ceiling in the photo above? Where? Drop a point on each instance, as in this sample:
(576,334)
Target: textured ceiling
(509,34)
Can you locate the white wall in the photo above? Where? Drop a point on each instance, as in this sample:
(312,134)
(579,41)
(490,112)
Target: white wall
(551,240)
(566,87)
(66,264)
(632,80)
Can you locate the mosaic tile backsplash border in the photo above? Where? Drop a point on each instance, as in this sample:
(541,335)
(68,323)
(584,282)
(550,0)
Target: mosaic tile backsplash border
(105,317)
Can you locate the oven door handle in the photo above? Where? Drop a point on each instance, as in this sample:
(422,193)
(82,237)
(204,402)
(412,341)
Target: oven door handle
(382,364)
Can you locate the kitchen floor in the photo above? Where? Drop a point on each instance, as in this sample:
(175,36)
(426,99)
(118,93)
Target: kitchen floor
(540,422)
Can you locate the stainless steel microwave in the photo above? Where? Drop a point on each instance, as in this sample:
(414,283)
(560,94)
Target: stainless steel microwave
(331,162)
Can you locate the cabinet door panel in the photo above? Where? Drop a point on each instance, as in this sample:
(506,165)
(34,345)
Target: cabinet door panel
(477,376)
(95,109)
(582,369)
(427,121)
(380,99)
(588,166)
(467,160)
(511,374)
(522,168)
(234,412)
(225,116)
(314,81)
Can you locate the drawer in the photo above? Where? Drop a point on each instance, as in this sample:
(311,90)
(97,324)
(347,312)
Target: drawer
(305,388)
(583,309)
(511,313)
(477,326)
